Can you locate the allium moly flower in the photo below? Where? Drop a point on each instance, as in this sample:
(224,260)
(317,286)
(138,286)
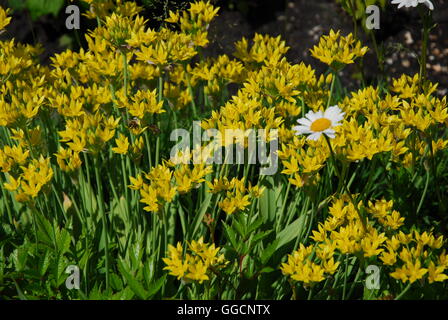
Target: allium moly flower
(318,123)
(413,3)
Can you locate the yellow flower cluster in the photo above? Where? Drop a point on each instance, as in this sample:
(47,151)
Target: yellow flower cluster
(110,98)
(196,265)
(409,256)
(301,268)
(237,195)
(30,179)
(165,183)
(336,50)
(399,126)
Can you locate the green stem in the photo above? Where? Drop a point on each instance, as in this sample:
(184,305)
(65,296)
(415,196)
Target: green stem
(403,292)
(333,80)
(125,73)
(103,217)
(280,220)
(345,277)
(358,273)
(190,90)
(379,54)
(158,121)
(422,198)
(434,175)
(125,186)
(353,14)
(310,293)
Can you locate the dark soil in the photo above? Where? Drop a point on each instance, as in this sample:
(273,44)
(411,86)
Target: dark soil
(302,22)
(299,22)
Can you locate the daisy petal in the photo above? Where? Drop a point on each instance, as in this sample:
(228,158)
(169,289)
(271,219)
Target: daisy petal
(304,122)
(302,129)
(315,136)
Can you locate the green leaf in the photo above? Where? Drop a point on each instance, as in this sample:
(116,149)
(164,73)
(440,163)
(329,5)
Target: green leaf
(269,251)
(39,8)
(239,228)
(267,270)
(260,236)
(135,286)
(255,225)
(116,282)
(292,231)
(136,254)
(45,230)
(155,287)
(44,262)
(2,265)
(59,270)
(19,291)
(268,201)
(63,239)
(19,257)
(231,236)
(125,294)
(200,216)
(17,4)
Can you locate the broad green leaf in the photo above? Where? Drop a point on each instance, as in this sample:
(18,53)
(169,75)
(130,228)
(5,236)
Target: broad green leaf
(116,282)
(155,287)
(255,225)
(135,285)
(260,236)
(231,236)
(19,257)
(44,262)
(17,4)
(292,231)
(268,201)
(200,216)
(63,241)
(39,8)
(269,251)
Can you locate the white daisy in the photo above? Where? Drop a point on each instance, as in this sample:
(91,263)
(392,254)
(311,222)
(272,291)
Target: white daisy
(318,123)
(413,3)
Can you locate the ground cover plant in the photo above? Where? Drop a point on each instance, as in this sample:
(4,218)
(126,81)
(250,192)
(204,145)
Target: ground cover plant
(343,198)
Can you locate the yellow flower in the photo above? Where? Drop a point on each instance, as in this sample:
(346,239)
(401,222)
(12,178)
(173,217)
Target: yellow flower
(149,197)
(122,144)
(12,184)
(197,272)
(336,50)
(234,202)
(435,273)
(409,272)
(4,19)
(388,258)
(137,183)
(330,266)
(193,266)
(175,265)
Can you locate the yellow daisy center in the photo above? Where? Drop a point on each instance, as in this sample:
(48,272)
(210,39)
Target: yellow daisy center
(320,125)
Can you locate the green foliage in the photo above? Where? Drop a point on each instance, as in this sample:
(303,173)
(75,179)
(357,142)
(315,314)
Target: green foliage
(38,8)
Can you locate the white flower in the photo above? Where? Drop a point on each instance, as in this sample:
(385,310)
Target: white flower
(318,123)
(413,3)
